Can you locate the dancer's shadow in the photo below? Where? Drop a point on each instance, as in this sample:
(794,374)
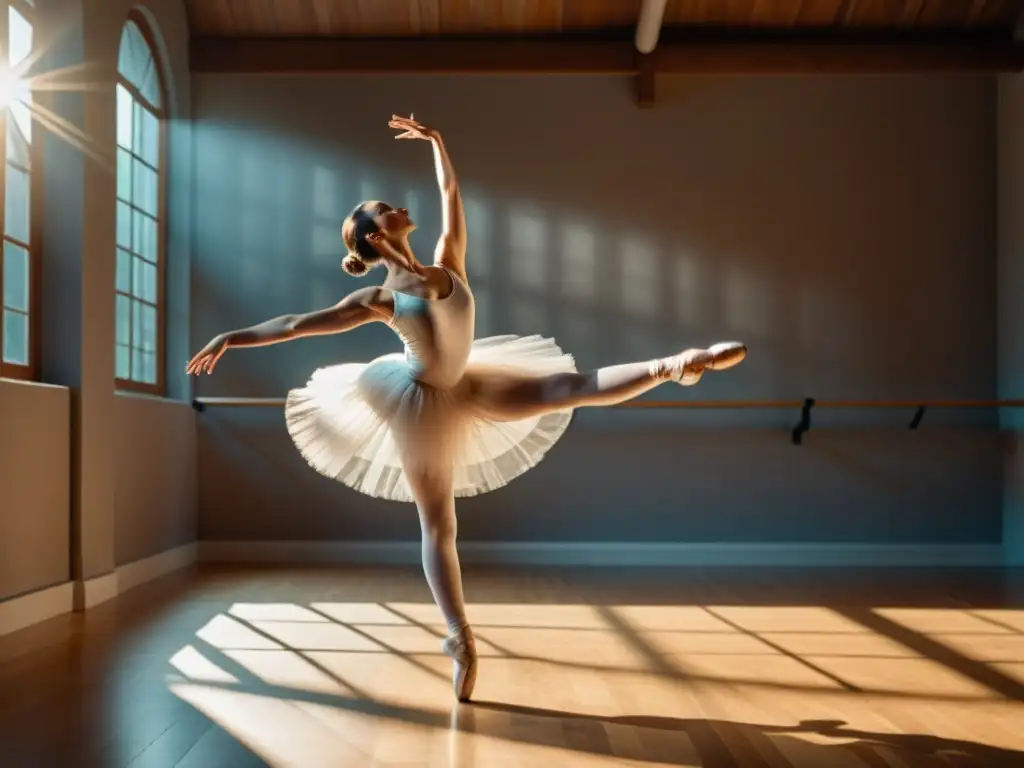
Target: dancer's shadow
(728,744)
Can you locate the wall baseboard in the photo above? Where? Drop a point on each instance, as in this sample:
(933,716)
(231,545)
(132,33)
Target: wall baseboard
(95,591)
(25,610)
(608,554)
(35,607)
(133,574)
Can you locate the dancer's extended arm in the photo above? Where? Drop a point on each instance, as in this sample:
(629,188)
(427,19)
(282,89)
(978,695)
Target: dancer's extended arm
(358,308)
(451,246)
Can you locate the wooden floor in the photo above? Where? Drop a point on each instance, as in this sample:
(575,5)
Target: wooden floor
(309,668)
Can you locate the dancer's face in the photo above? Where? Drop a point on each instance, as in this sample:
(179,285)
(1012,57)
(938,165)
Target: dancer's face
(393,222)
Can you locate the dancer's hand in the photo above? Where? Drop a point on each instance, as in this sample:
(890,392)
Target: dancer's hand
(207,358)
(412,129)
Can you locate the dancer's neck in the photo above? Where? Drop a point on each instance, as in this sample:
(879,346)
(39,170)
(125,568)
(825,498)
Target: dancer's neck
(402,259)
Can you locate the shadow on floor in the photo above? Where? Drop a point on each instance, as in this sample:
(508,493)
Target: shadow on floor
(726,744)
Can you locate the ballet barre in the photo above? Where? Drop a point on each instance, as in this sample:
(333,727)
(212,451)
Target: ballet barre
(801,428)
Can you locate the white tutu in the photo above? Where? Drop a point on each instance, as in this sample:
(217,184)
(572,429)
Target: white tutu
(363,424)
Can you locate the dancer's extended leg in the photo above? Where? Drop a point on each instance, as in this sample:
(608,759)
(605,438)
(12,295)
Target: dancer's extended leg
(436,504)
(510,398)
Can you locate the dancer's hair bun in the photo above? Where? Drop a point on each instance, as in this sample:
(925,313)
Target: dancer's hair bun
(354,265)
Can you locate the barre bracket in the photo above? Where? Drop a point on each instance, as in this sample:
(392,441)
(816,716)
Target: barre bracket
(918,415)
(805,422)
(198,406)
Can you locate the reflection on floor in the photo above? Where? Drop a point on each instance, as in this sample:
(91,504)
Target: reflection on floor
(680,668)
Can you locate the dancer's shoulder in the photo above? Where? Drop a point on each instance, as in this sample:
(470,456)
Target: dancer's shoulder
(373,297)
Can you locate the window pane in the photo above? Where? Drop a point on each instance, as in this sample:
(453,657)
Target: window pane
(16,204)
(144,326)
(147,143)
(122,362)
(136,365)
(124,175)
(135,63)
(143,335)
(144,188)
(19,134)
(124,320)
(124,271)
(16,279)
(148,367)
(149,283)
(124,225)
(125,104)
(144,237)
(19,37)
(15,337)
(144,280)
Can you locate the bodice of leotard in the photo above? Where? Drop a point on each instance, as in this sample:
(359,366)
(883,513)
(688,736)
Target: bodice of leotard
(437,333)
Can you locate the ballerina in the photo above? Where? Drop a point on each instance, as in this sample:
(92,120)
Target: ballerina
(452,416)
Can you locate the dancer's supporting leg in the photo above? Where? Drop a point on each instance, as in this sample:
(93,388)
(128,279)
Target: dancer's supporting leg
(508,398)
(435,501)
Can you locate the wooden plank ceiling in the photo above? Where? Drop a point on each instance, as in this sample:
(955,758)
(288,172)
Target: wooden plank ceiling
(441,18)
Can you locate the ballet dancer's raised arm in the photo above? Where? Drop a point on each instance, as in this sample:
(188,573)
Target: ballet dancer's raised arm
(358,308)
(451,246)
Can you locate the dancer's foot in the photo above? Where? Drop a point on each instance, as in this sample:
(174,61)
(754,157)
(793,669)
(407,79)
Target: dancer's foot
(461,647)
(688,367)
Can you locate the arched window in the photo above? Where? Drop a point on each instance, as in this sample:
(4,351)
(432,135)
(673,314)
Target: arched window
(19,257)
(139,289)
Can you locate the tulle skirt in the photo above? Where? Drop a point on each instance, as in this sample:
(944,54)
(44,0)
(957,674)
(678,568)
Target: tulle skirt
(368,424)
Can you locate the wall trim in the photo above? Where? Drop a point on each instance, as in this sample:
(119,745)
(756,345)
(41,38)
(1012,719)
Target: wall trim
(137,572)
(25,610)
(31,608)
(610,554)
(95,591)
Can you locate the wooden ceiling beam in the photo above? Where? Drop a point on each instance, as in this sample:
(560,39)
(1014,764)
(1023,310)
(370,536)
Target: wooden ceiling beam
(554,57)
(424,57)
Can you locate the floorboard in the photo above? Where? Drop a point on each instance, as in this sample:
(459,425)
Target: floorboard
(697,667)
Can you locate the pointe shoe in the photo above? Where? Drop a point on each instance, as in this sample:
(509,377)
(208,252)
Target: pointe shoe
(461,648)
(688,367)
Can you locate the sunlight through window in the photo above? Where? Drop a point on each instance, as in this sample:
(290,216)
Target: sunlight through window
(486,312)
(194,666)
(275,674)
(479,235)
(325,195)
(528,315)
(372,189)
(225,633)
(692,294)
(640,281)
(579,263)
(528,248)
(747,302)
(289,669)
(579,332)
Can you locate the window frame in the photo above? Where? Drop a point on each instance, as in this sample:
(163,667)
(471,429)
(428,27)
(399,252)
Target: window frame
(159,388)
(31,370)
